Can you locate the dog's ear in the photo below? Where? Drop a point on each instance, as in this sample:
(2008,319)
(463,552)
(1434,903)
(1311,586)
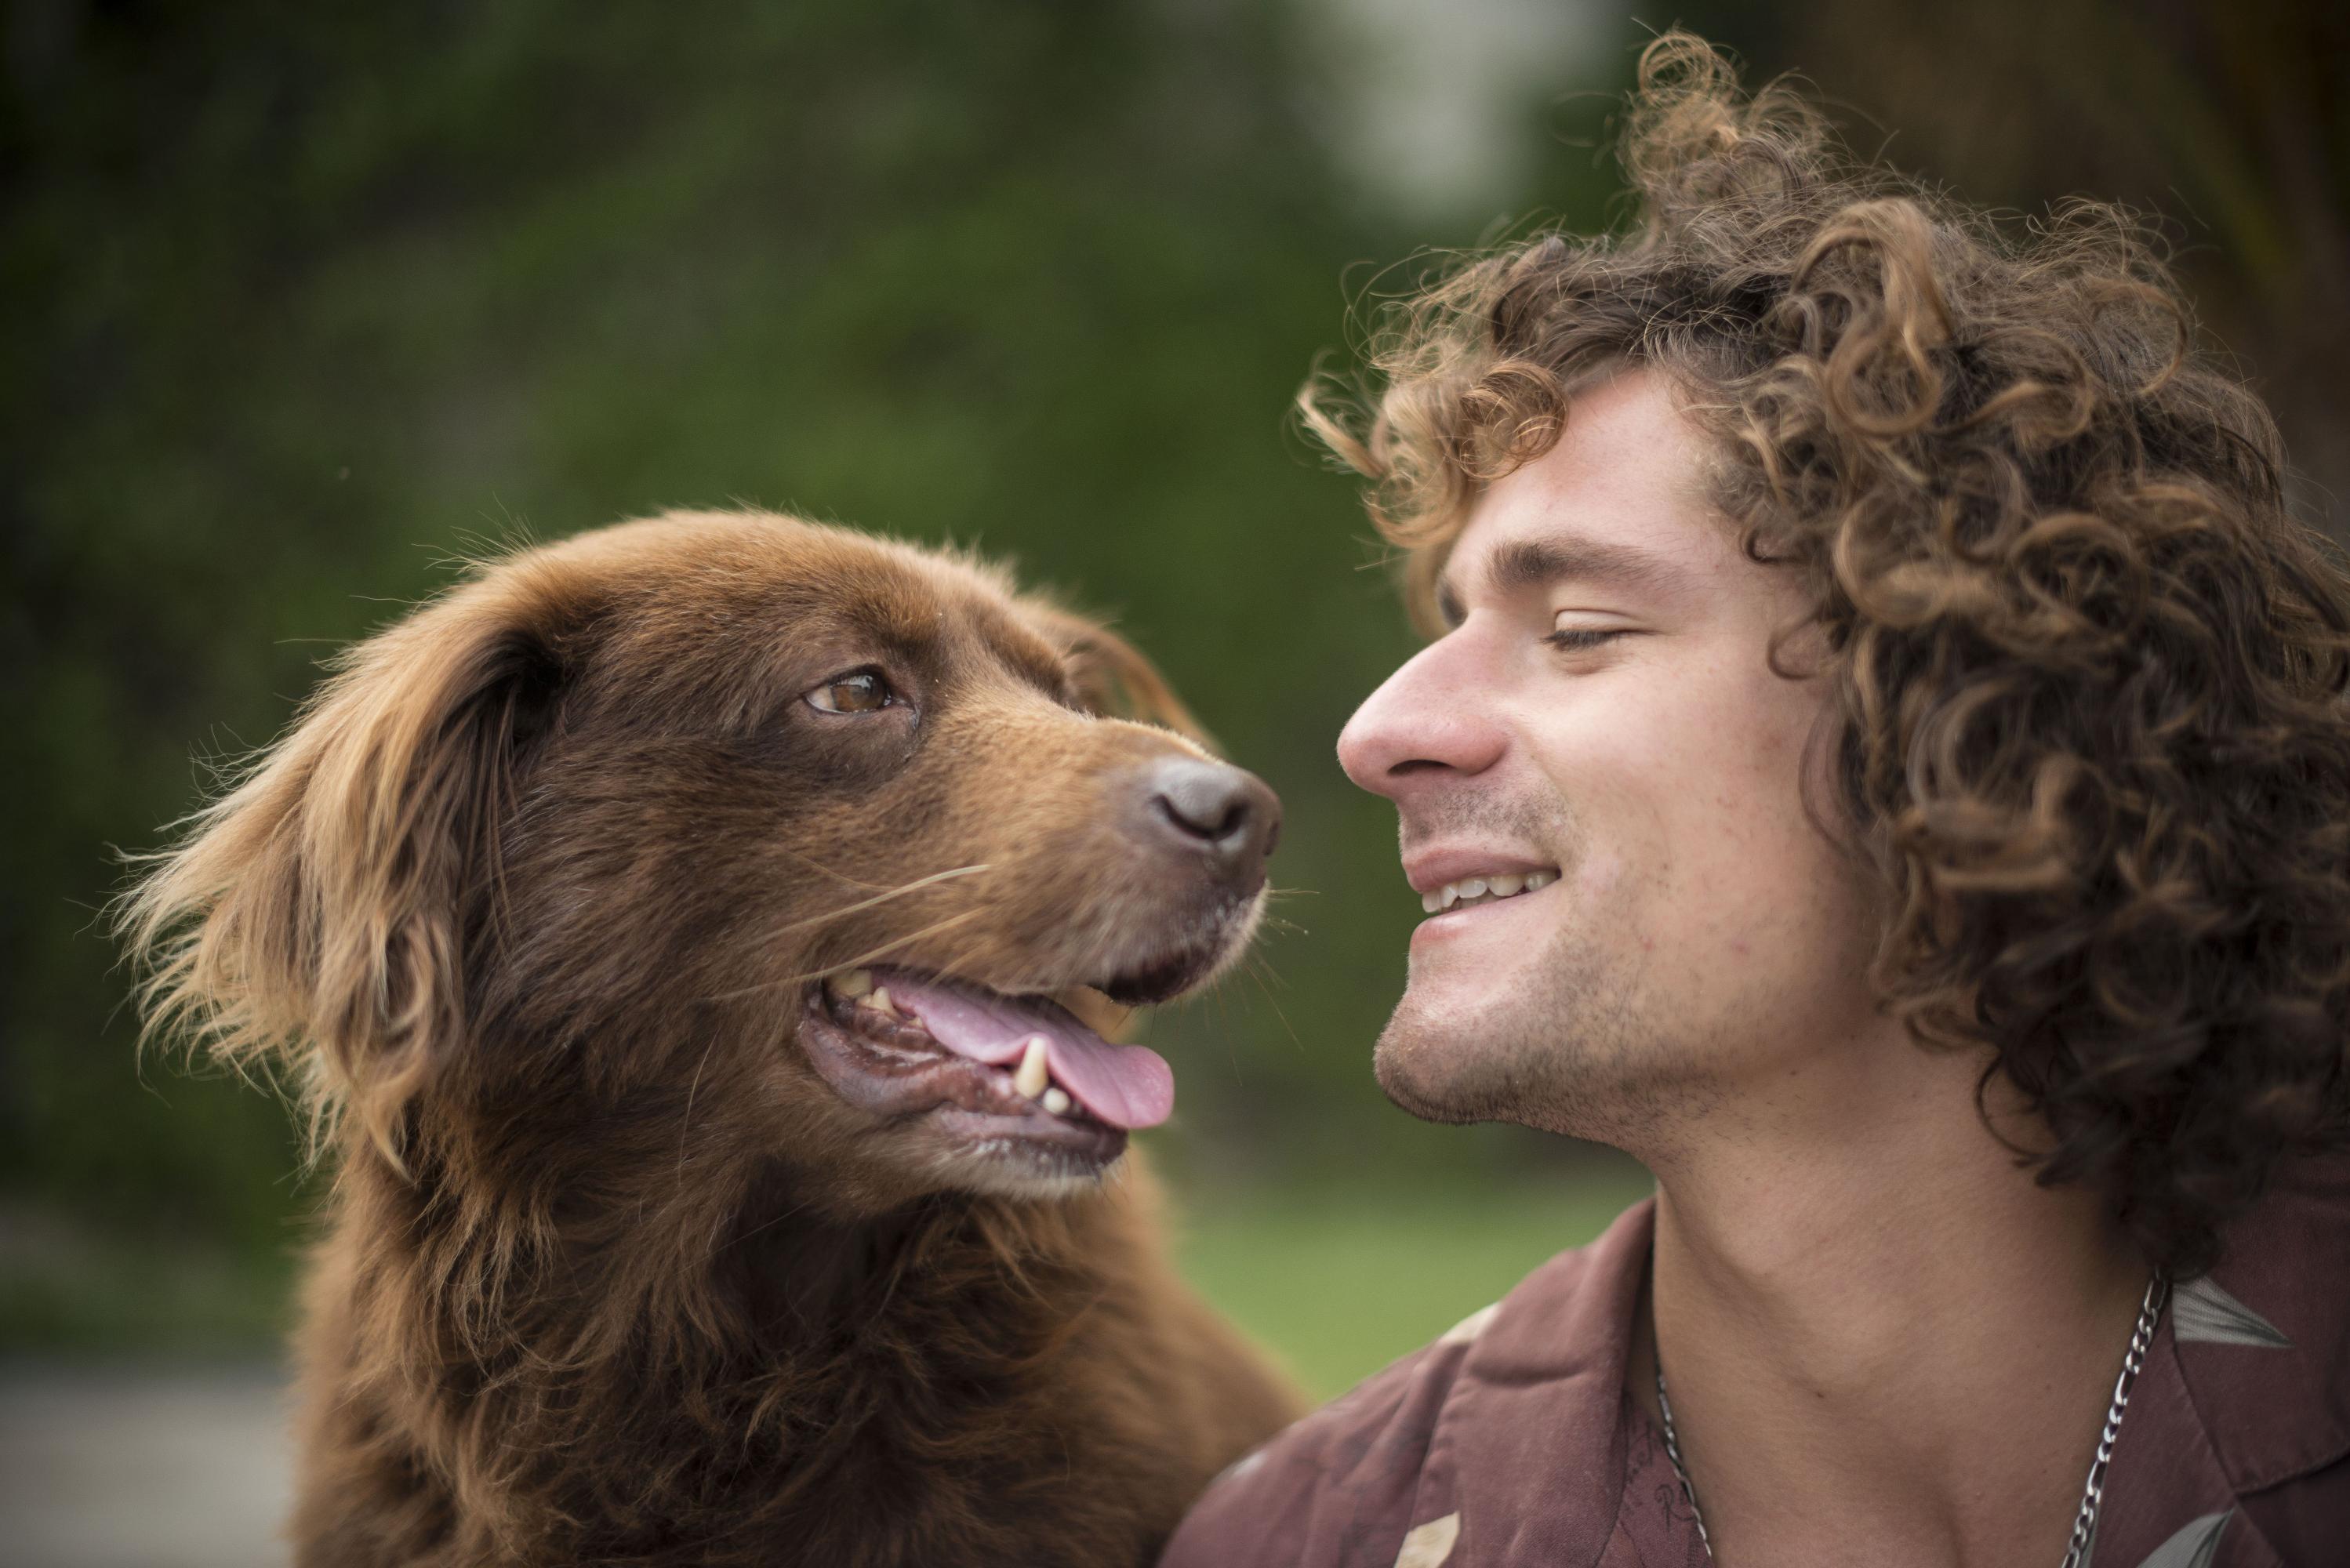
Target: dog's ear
(320,914)
(1111,675)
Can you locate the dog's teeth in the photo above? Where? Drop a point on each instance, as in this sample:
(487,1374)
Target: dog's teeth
(1504,886)
(1055,1101)
(880,1002)
(854,982)
(1034,1074)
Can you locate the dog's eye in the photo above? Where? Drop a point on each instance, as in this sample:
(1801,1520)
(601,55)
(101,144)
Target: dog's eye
(858,692)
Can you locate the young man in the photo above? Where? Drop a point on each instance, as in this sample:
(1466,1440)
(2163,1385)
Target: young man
(1882,762)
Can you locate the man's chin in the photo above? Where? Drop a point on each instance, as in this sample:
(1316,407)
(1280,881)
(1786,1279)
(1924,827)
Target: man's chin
(1432,1073)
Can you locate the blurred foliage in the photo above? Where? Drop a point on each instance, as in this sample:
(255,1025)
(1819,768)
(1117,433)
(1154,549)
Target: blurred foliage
(303,301)
(306,300)
(1341,1282)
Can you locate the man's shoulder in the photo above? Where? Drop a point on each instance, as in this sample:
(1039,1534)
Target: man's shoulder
(1349,1483)
(1333,1480)
(2237,1439)
(2264,1341)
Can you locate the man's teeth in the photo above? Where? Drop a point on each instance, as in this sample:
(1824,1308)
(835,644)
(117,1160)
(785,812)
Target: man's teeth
(1485,890)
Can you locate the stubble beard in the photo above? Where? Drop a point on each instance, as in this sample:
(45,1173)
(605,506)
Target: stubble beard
(1578,1042)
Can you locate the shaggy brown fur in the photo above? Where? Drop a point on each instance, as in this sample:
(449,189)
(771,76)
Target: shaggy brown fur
(536,895)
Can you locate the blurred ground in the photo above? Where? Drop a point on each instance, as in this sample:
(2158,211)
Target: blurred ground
(157,1466)
(142,1467)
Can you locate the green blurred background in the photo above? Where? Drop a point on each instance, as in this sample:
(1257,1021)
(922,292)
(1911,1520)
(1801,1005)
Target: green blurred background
(302,300)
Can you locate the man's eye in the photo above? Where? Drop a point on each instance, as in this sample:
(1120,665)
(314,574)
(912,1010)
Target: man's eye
(1571,637)
(858,692)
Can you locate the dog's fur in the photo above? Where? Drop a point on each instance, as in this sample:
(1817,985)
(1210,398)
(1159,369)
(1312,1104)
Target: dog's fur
(531,897)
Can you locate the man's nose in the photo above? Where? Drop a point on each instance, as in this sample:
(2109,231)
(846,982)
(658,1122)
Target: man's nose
(1431,719)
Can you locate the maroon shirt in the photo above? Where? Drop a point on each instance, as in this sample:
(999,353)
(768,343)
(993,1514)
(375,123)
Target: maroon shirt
(1513,1441)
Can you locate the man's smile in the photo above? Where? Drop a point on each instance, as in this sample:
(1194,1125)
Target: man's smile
(1432,869)
(1457,887)
(1487,888)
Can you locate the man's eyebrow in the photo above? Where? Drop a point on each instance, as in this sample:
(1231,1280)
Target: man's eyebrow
(1524,564)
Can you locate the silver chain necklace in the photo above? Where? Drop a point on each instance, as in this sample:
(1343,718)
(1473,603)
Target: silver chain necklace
(2084,1523)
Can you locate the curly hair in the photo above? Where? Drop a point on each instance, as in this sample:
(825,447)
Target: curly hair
(2087,671)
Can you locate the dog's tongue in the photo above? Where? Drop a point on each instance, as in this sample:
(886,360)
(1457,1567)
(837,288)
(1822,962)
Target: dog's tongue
(1126,1085)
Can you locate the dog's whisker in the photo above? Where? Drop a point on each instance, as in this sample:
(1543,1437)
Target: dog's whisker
(867,956)
(800,1208)
(916,886)
(858,962)
(1216,994)
(1287,1027)
(1261,970)
(685,1124)
(1263,973)
(960,962)
(837,874)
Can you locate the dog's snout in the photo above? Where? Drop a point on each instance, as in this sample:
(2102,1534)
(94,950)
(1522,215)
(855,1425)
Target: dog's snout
(1214,809)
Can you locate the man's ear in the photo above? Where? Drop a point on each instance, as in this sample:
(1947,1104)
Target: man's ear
(322,913)
(1112,676)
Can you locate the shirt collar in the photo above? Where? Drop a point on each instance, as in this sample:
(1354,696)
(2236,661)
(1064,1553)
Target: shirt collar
(1543,1385)
(2263,1342)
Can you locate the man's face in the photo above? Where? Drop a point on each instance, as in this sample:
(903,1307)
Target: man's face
(1601,719)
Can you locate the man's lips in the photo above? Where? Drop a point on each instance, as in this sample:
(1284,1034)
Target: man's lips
(1458,878)
(1428,870)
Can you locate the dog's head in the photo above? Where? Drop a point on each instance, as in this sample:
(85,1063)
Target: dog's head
(717,838)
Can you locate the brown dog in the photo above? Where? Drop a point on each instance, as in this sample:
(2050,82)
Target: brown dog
(666,925)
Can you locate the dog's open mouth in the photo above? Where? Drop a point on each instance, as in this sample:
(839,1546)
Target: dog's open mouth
(1021,1068)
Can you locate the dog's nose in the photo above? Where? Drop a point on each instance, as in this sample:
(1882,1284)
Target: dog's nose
(1215,810)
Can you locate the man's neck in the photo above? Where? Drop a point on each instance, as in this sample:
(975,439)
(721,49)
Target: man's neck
(1883,1342)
